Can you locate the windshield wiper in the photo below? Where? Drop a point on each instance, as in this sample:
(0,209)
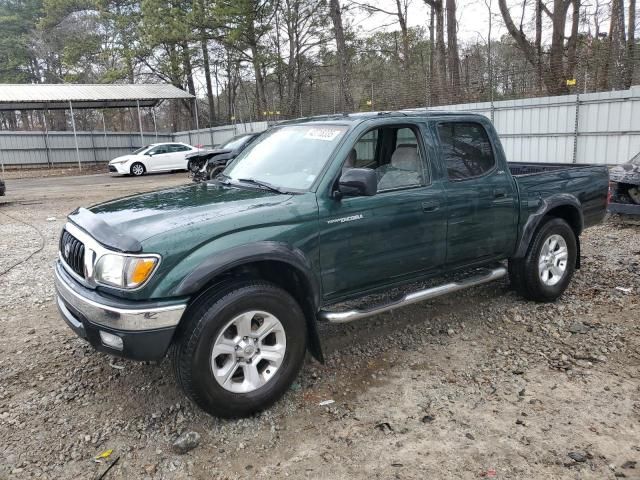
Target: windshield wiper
(260,183)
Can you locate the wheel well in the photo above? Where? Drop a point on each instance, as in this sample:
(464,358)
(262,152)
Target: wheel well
(136,162)
(570,214)
(285,276)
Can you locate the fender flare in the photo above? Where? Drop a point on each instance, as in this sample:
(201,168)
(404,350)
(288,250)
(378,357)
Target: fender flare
(535,219)
(221,262)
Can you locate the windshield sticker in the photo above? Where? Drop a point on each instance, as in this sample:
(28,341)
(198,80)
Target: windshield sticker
(326,134)
(310,178)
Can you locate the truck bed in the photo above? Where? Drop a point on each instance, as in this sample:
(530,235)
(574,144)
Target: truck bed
(519,169)
(588,183)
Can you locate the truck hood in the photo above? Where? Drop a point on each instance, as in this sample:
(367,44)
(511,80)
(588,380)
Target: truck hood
(146,215)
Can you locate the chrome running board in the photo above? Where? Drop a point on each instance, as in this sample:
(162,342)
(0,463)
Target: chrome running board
(415,297)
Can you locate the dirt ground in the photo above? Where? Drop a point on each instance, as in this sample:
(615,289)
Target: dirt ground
(476,385)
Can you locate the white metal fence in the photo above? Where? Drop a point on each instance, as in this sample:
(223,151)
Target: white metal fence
(600,128)
(39,149)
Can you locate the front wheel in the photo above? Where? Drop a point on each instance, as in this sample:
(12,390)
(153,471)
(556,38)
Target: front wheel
(240,348)
(545,272)
(137,169)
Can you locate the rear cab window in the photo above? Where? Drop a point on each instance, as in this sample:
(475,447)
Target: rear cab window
(466,150)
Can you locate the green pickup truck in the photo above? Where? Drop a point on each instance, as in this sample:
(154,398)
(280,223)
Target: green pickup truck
(229,277)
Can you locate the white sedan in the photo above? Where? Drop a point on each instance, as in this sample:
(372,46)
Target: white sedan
(157,157)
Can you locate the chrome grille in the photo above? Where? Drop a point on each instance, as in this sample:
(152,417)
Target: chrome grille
(72,251)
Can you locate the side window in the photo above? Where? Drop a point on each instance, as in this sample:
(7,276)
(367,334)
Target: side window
(159,149)
(175,147)
(363,154)
(466,149)
(393,153)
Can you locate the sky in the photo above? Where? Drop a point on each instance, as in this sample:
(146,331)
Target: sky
(473,18)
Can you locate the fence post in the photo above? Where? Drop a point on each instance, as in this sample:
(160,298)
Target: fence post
(75,136)
(46,137)
(140,124)
(104,131)
(575,128)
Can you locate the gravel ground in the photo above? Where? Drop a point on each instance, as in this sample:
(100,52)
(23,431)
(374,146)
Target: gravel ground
(480,384)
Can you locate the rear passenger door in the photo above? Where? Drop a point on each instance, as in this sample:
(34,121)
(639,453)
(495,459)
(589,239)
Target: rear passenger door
(178,156)
(481,196)
(159,158)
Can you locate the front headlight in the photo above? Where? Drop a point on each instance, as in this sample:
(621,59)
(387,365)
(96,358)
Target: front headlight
(124,271)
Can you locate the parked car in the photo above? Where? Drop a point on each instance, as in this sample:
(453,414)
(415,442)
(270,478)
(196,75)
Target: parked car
(157,157)
(625,188)
(207,164)
(231,276)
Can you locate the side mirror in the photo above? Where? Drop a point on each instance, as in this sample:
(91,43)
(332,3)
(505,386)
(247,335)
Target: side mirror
(357,182)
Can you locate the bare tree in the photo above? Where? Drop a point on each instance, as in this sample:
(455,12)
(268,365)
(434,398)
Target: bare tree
(554,73)
(617,47)
(440,72)
(344,67)
(453,57)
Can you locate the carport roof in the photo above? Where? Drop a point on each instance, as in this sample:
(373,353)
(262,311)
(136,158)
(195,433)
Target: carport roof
(58,96)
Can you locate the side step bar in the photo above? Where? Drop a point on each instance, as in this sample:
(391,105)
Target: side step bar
(415,297)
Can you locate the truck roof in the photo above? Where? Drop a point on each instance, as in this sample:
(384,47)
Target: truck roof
(363,116)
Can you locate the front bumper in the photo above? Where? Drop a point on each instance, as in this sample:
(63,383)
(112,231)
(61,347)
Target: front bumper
(146,328)
(120,168)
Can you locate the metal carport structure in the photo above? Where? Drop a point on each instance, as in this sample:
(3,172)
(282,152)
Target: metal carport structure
(68,96)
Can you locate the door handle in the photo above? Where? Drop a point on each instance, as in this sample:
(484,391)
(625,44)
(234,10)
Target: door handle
(430,206)
(499,193)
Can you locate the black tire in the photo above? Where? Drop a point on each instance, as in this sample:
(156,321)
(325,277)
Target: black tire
(524,272)
(204,321)
(136,171)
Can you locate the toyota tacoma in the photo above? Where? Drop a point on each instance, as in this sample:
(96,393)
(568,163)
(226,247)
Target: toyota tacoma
(229,277)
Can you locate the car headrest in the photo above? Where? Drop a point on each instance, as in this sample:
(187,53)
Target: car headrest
(405,157)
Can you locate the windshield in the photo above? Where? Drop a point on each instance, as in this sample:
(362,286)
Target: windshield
(140,150)
(635,160)
(236,142)
(289,157)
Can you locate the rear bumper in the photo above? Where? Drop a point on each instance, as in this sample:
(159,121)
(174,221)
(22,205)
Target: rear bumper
(146,329)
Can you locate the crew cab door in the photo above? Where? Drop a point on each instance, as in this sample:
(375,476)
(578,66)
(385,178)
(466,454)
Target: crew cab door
(399,233)
(481,194)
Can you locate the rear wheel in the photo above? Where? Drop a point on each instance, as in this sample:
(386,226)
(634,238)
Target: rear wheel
(137,169)
(545,272)
(240,348)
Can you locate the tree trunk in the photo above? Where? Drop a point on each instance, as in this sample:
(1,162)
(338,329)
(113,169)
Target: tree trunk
(207,78)
(441,56)
(257,70)
(538,45)
(572,43)
(404,30)
(346,100)
(631,40)
(452,47)
(617,47)
(431,55)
